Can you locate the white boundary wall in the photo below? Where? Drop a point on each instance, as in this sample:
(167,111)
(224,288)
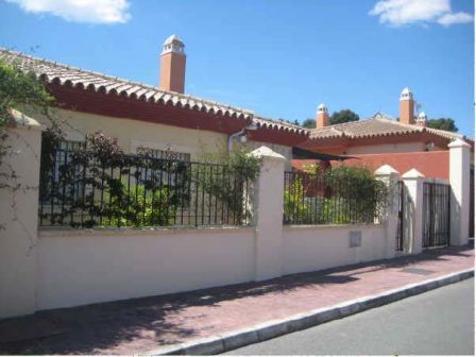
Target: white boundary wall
(63,268)
(93,266)
(310,248)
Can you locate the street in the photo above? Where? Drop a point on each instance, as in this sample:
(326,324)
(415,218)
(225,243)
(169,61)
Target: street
(439,322)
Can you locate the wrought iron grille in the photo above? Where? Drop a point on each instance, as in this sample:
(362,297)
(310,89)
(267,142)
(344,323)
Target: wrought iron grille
(316,199)
(401,215)
(436,214)
(135,190)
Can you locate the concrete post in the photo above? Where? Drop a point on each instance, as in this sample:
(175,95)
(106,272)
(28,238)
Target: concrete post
(460,191)
(19,217)
(390,177)
(269,214)
(413,219)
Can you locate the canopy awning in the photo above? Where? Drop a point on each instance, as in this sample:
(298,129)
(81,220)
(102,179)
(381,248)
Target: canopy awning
(302,154)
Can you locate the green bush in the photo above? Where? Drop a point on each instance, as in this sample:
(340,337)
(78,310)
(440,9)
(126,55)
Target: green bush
(296,207)
(345,195)
(235,173)
(138,207)
(362,197)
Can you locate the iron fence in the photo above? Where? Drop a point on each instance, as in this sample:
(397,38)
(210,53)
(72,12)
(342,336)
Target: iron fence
(436,214)
(321,199)
(82,190)
(401,205)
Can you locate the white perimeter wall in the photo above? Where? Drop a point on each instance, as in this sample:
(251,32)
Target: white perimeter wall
(83,267)
(76,268)
(310,248)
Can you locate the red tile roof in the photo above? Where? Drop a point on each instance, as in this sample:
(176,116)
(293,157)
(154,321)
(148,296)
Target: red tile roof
(378,125)
(64,75)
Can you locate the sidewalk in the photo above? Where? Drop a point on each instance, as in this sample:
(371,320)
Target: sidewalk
(141,325)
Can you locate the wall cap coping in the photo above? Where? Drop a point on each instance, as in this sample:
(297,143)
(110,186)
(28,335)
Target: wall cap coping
(458,143)
(267,153)
(386,170)
(332,226)
(128,231)
(413,174)
(20,120)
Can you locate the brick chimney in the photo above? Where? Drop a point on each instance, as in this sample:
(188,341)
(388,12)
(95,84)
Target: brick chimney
(172,65)
(322,116)
(407,105)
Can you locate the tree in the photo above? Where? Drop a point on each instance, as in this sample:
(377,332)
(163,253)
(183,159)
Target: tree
(309,123)
(292,122)
(343,116)
(447,124)
(21,90)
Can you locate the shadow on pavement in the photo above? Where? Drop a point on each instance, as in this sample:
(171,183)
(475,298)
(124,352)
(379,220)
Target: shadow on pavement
(92,328)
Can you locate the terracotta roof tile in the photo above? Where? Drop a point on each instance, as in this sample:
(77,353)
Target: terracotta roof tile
(378,125)
(67,75)
(50,71)
(280,125)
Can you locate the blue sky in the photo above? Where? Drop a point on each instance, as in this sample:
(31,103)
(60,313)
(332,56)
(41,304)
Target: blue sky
(279,58)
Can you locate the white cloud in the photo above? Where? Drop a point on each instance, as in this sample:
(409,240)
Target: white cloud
(455,18)
(91,11)
(404,12)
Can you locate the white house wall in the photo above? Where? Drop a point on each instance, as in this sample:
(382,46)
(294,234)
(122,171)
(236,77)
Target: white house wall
(132,134)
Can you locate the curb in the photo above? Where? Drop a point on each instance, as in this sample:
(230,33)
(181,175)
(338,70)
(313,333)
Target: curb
(265,331)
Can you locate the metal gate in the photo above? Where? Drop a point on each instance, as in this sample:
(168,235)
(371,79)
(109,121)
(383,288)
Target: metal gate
(401,216)
(436,215)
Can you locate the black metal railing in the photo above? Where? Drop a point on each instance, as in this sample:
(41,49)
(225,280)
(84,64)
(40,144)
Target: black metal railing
(436,214)
(401,205)
(134,190)
(319,199)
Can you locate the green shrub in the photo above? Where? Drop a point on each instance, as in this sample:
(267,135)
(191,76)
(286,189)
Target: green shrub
(138,207)
(235,174)
(296,208)
(339,195)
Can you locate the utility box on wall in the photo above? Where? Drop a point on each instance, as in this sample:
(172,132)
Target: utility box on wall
(355,239)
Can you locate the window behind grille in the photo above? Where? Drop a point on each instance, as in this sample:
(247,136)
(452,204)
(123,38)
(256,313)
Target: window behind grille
(165,154)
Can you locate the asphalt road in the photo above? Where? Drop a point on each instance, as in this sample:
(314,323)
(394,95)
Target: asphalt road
(434,323)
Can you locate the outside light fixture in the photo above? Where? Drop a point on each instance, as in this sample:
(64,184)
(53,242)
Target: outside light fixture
(241,134)
(430,146)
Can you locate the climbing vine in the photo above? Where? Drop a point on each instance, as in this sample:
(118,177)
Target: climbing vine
(21,91)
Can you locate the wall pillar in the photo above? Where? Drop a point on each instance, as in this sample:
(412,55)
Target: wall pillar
(413,218)
(19,217)
(390,177)
(460,190)
(269,214)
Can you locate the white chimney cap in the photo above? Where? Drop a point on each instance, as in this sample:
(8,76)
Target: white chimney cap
(322,108)
(173,44)
(406,94)
(171,39)
(422,116)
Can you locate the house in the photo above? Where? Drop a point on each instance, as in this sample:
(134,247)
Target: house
(160,118)
(404,144)
(164,119)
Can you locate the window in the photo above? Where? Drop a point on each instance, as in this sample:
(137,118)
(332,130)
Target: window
(165,154)
(51,172)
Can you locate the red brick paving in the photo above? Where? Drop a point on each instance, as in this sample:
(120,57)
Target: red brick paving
(141,325)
